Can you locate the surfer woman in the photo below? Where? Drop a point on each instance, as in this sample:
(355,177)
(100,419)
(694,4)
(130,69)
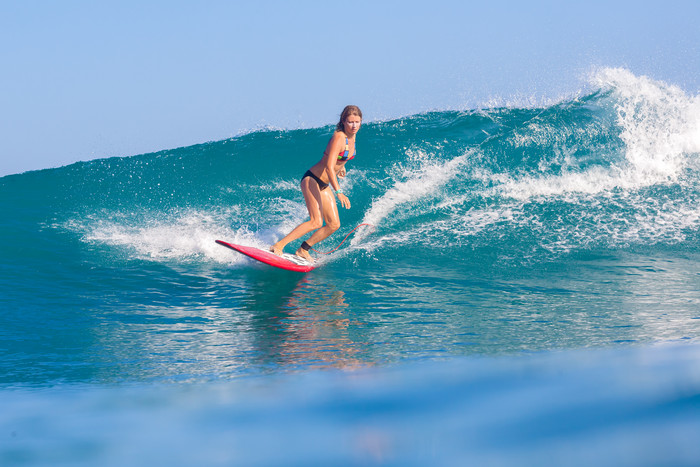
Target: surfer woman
(314,186)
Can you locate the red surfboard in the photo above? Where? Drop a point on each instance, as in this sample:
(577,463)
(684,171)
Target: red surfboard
(286,261)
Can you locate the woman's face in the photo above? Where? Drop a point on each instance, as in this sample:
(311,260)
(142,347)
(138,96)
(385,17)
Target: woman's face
(352,124)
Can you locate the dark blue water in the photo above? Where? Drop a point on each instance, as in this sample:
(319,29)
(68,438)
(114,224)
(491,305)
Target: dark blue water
(529,292)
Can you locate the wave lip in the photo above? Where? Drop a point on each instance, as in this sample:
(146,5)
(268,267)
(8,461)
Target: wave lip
(660,124)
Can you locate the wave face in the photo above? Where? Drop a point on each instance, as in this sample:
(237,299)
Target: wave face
(493,230)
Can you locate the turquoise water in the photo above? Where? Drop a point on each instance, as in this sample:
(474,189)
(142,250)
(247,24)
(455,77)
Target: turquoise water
(529,290)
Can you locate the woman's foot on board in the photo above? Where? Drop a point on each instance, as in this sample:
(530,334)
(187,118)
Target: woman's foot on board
(276,250)
(302,253)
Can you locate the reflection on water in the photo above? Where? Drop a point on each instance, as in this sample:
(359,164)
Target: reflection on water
(306,323)
(318,328)
(252,321)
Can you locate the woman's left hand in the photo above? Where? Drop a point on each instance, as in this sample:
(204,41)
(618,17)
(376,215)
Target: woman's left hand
(344,200)
(341,172)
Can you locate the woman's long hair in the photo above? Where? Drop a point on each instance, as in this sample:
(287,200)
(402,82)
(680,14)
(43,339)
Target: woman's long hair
(347,111)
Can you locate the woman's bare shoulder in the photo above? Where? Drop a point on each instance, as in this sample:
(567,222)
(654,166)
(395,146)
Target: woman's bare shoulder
(337,138)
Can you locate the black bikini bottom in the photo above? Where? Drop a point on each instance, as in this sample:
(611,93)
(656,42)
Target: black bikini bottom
(321,184)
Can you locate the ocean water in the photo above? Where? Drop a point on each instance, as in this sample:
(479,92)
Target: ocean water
(527,292)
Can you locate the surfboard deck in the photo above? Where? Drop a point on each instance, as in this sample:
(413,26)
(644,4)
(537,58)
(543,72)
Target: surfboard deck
(286,261)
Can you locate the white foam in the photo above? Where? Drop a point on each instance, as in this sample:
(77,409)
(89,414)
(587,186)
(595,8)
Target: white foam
(419,182)
(187,235)
(660,126)
(567,186)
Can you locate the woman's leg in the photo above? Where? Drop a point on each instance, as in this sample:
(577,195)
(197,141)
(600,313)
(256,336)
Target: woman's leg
(313,197)
(329,209)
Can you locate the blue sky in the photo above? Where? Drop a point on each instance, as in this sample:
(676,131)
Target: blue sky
(84,80)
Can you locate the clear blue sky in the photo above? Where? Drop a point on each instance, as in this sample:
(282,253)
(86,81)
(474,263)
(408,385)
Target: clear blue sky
(84,80)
